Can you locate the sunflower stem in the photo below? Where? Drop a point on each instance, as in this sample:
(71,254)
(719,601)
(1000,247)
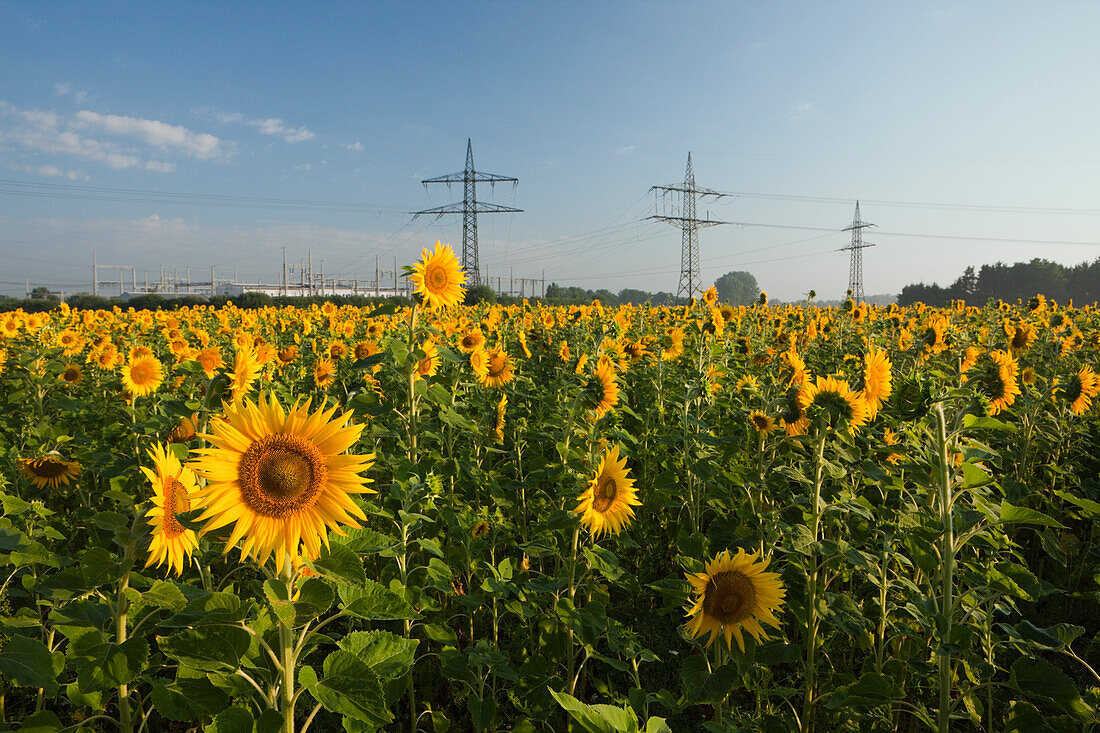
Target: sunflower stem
(812,620)
(126,723)
(719,706)
(571,661)
(286,643)
(412,386)
(947,558)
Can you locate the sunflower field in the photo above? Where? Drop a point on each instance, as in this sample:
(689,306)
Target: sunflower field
(532,518)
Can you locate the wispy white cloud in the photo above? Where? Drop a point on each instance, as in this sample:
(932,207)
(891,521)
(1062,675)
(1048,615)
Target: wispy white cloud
(52,171)
(275,126)
(625,150)
(152,132)
(802,111)
(81,136)
(303,167)
(356,146)
(64,89)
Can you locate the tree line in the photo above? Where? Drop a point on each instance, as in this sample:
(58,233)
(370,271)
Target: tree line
(1022,280)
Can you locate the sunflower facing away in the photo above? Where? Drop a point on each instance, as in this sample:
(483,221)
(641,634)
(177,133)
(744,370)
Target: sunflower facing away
(832,399)
(1080,389)
(607,505)
(498,424)
(604,390)
(438,277)
(734,593)
(142,375)
(48,471)
(280,477)
(173,487)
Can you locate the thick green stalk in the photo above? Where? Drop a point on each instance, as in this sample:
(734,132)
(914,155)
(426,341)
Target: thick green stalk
(412,386)
(812,590)
(947,563)
(286,656)
(570,656)
(126,723)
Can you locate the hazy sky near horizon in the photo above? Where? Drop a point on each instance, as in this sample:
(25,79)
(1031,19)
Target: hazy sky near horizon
(199,134)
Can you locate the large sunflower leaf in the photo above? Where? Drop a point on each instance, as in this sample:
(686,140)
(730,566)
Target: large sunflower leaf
(389,655)
(341,564)
(208,648)
(28,662)
(373,601)
(349,687)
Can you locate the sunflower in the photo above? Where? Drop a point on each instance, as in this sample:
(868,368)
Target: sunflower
(498,425)
(607,505)
(795,420)
(876,380)
(761,423)
(997,380)
(499,369)
(522,336)
(185,429)
(832,399)
(471,341)
(142,375)
(1021,335)
(173,485)
(324,372)
(1080,389)
(428,366)
(438,277)
(563,350)
(734,593)
(603,391)
(710,296)
(72,375)
(48,471)
(211,361)
(70,341)
(287,356)
(672,345)
(246,368)
(281,478)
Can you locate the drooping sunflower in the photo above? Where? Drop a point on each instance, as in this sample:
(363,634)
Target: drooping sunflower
(734,594)
(498,425)
(607,505)
(1080,389)
(795,419)
(877,380)
(173,487)
(281,477)
(439,278)
(428,366)
(499,370)
(185,429)
(246,368)
(142,375)
(604,392)
(49,471)
(832,399)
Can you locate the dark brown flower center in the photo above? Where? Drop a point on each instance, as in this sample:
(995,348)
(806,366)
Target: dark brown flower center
(281,475)
(436,278)
(48,467)
(729,597)
(603,496)
(175,500)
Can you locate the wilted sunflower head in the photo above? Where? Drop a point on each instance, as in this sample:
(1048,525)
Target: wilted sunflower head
(48,471)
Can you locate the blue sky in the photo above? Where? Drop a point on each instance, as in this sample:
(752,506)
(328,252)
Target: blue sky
(198,134)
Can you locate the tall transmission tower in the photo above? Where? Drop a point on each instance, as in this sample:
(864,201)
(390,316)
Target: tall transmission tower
(855,269)
(684,218)
(470,207)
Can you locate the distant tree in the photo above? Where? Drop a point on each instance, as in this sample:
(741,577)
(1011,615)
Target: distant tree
(88,302)
(737,288)
(253,301)
(148,302)
(42,293)
(480,294)
(637,297)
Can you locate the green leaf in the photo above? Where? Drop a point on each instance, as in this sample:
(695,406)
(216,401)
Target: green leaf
(386,309)
(349,687)
(657,725)
(483,711)
(208,648)
(374,602)
(986,423)
(275,592)
(43,721)
(187,700)
(1017,514)
(387,654)
(869,691)
(231,720)
(315,596)
(28,663)
(164,595)
(271,721)
(108,665)
(1092,508)
(368,361)
(596,718)
(1033,676)
(341,564)
(605,562)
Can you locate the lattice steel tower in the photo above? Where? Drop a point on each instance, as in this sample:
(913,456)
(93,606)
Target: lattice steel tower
(685,219)
(470,207)
(855,269)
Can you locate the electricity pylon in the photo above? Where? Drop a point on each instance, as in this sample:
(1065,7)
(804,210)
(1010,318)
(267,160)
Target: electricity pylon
(855,269)
(689,224)
(469,207)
